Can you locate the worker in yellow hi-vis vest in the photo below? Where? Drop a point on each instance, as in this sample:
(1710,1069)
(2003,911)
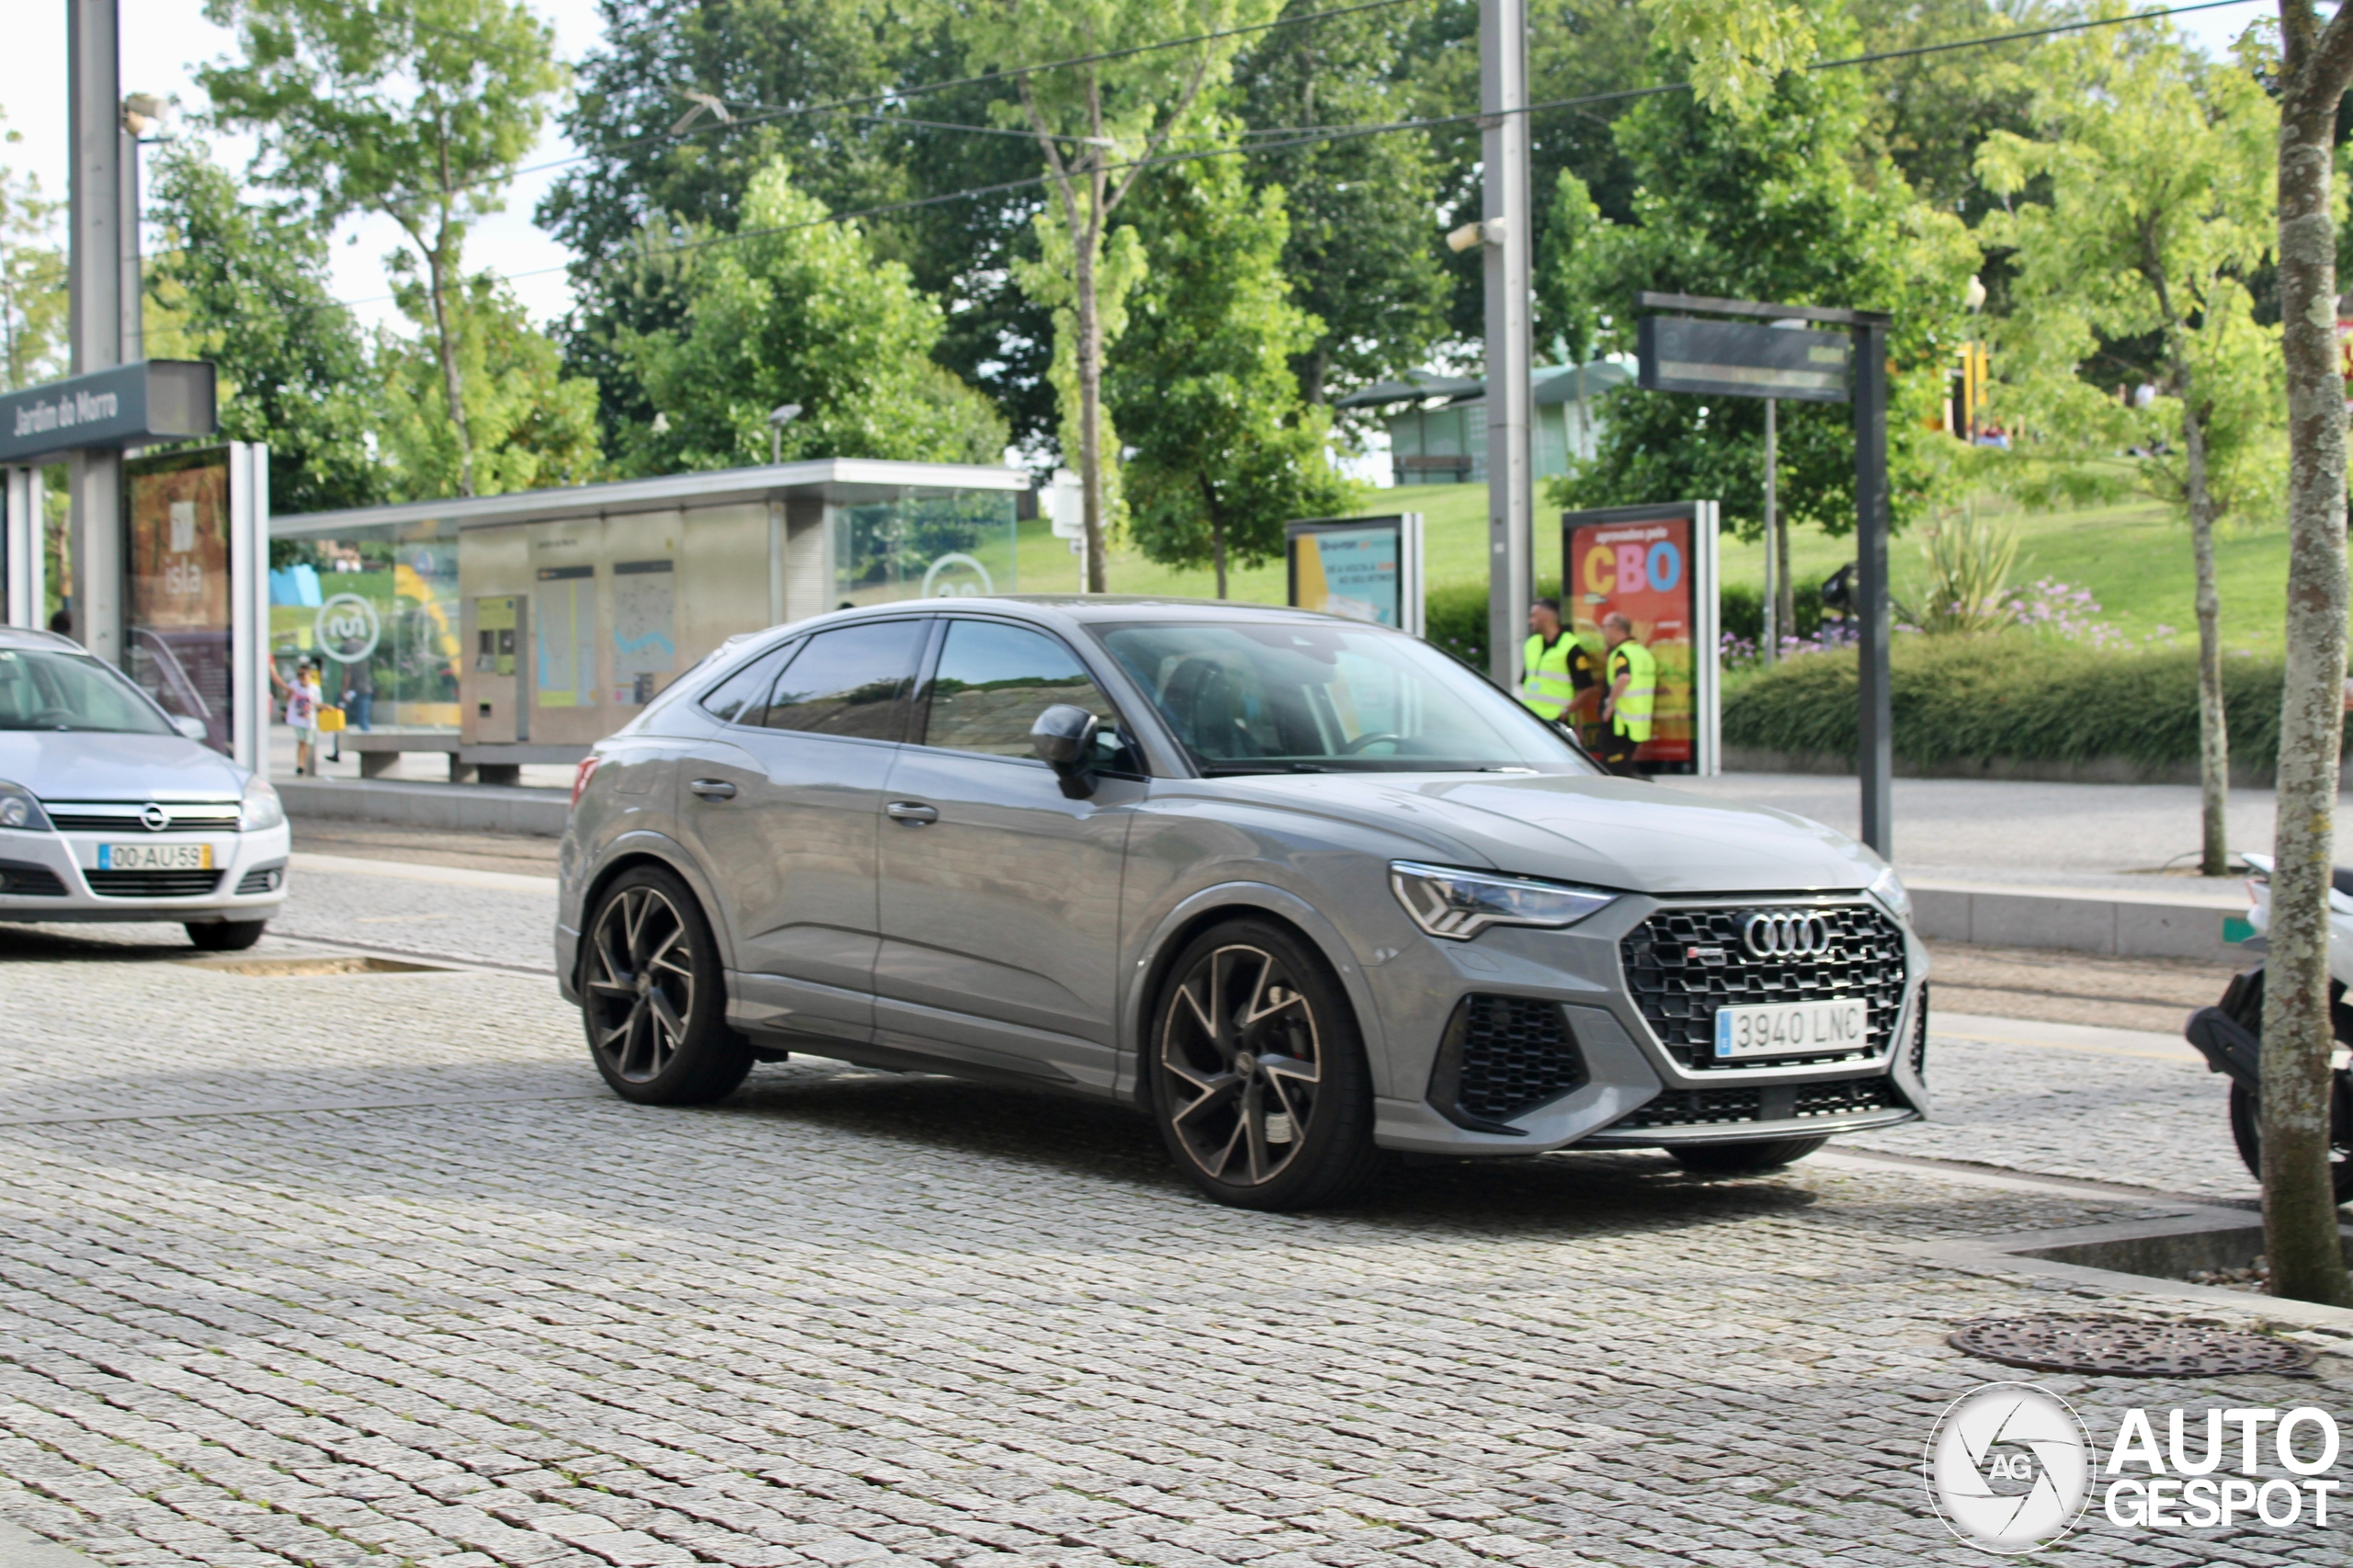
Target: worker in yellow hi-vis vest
(1556,672)
(1632,696)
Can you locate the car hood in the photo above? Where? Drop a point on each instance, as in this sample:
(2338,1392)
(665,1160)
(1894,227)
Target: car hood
(77,765)
(1613,832)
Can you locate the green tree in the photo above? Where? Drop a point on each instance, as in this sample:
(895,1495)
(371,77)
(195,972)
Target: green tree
(1096,124)
(1761,199)
(801,310)
(32,281)
(416,109)
(526,426)
(247,288)
(1224,451)
(2157,167)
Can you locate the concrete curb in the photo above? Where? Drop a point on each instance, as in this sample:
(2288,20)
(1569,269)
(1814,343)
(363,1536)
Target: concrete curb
(2137,926)
(463,808)
(22,1549)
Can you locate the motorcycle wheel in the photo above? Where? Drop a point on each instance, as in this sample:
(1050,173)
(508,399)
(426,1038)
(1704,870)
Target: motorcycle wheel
(2247,1132)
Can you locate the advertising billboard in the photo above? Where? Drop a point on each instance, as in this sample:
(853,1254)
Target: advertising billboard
(1656,567)
(179,603)
(1363,568)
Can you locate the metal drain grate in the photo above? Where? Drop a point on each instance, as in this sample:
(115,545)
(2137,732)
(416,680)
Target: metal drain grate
(2130,1347)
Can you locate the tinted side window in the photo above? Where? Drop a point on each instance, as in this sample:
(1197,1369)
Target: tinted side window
(740,697)
(851,681)
(993,682)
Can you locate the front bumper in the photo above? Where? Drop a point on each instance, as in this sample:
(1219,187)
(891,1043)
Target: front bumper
(1569,993)
(55,877)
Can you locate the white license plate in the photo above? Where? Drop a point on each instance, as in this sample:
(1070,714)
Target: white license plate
(1795,1028)
(155,857)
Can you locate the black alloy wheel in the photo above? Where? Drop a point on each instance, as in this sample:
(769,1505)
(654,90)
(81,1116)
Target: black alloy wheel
(2247,1132)
(652,995)
(1744,1159)
(1259,1080)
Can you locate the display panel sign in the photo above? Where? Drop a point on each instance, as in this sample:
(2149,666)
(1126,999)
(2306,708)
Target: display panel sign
(178,609)
(1363,568)
(1741,359)
(1655,566)
(129,405)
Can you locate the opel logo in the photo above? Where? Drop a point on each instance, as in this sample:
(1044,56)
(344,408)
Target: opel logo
(1784,934)
(154,818)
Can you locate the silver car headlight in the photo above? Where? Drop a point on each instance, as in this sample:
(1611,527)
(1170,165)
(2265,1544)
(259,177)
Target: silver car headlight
(260,808)
(1888,889)
(1457,904)
(19,808)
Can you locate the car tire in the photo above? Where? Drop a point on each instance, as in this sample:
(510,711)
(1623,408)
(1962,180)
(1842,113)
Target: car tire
(1258,1072)
(654,997)
(1745,1159)
(224,936)
(2247,1132)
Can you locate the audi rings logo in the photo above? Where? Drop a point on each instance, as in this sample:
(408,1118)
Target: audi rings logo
(2008,1468)
(1784,934)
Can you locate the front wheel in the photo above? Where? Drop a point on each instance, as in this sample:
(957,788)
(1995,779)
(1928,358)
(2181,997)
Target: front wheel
(1745,1159)
(1258,1074)
(653,996)
(2247,1132)
(224,936)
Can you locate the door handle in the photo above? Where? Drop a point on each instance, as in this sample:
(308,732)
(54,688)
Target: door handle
(713,788)
(912,811)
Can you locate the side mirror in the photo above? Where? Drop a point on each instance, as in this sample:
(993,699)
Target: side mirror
(194,729)
(1063,738)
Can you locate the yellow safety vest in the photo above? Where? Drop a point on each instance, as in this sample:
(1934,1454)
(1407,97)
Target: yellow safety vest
(1631,712)
(1545,686)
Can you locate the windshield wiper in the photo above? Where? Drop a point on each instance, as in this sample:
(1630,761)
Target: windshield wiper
(1236,770)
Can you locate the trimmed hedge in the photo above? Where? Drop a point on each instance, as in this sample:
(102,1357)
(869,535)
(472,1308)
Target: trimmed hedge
(1980,700)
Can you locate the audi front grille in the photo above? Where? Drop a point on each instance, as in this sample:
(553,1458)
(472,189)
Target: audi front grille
(1683,964)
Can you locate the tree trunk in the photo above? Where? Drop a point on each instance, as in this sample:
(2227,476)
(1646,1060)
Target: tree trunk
(2298,1207)
(2213,732)
(454,386)
(1217,550)
(1784,590)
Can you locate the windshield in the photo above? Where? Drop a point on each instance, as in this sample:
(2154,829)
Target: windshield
(41,690)
(1271,697)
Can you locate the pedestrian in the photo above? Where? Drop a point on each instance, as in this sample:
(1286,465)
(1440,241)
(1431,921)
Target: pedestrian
(1627,705)
(359,693)
(1556,670)
(302,705)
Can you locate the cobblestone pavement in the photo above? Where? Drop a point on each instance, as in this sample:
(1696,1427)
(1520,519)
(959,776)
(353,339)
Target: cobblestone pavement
(502,1318)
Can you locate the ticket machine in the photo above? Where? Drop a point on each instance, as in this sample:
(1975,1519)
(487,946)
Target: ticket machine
(498,712)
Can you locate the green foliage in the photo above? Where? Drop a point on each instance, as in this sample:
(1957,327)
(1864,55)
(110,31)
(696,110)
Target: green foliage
(1764,205)
(1224,453)
(803,313)
(32,281)
(247,288)
(533,428)
(1966,587)
(1929,113)
(1740,612)
(1972,699)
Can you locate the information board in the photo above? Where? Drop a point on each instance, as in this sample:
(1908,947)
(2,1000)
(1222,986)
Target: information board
(179,610)
(1363,568)
(645,645)
(1656,567)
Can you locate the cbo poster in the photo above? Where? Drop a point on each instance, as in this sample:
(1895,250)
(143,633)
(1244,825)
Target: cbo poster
(1655,566)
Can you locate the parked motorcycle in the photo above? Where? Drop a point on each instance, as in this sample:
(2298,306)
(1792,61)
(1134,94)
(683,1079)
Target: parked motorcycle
(2230,1034)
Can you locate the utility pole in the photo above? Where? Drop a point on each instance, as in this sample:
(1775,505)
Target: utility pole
(1509,253)
(1875,747)
(1770,653)
(94,185)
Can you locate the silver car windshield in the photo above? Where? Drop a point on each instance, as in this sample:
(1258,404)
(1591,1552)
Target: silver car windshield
(41,690)
(1292,697)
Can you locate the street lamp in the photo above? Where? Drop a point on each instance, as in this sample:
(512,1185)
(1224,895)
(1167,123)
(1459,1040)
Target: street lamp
(779,418)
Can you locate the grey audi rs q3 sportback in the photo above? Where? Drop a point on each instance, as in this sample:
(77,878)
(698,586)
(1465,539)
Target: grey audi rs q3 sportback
(1302,889)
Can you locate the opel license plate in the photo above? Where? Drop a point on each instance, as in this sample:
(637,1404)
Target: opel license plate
(155,857)
(1793,1028)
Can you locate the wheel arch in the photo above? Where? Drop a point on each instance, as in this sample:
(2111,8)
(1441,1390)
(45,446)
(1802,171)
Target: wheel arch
(627,853)
(1235,901)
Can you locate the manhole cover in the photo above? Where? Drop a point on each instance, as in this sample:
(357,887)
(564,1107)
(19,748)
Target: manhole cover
(2127,1347)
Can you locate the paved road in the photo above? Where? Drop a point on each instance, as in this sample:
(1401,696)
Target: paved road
(369,1268)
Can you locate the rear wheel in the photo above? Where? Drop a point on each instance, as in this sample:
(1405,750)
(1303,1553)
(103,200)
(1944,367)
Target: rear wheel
(1745,1159)
(1258,1073)
(653,996)
(2247,1132)
(224,936)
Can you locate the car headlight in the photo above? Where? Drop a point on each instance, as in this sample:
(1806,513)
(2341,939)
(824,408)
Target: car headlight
(1458,904)
(19,808)
(261,807)
(1888,889)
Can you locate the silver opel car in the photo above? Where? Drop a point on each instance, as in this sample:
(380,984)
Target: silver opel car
(112,810)
(1302,889)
